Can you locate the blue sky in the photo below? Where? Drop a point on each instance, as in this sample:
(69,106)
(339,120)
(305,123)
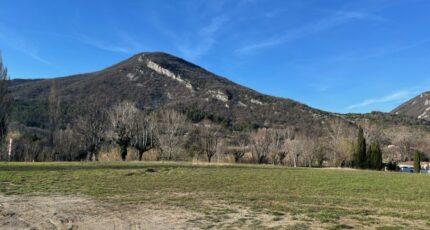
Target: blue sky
(336,55)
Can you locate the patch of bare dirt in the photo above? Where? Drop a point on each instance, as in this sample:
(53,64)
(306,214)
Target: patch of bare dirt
(72,212)
(61,212)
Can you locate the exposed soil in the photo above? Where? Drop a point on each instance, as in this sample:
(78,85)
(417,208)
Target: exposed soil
(59,212)
(72,212)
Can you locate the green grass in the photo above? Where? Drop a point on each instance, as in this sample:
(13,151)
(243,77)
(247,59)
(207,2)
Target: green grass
(336,198)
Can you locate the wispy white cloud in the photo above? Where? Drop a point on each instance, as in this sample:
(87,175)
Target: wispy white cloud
(34,53)
(201,34)
(358,15)
(398,96)
(335,19)
(103,45)
(203,40)
(17,42)
(125,42)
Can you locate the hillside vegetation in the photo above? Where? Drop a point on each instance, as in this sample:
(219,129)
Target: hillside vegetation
(164,104)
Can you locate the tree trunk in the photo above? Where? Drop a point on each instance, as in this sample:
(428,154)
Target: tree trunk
(262,160)
(90,156)
(236,159)
(123,152)
(141,152)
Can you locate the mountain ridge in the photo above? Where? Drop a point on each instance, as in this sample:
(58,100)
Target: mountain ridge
(418,107)
(153,80)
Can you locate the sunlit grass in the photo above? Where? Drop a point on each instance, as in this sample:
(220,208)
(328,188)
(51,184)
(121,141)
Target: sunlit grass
(323,195)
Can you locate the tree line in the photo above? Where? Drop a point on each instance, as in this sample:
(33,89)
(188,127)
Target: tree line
(175,135)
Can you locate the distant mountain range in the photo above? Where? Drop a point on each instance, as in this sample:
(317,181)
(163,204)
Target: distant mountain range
(154,80)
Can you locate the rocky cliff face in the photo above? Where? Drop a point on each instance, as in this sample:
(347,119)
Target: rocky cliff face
(418,107)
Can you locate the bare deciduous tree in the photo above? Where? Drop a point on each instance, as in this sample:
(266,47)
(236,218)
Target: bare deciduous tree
(4,102)
(210,138)
(374,134)
(28,148)
(336,132)
(345,149)
(310,147)
(295,148)
(123,117)
(143,138)
(54,113)
(260,145)
(278,144)
(404,142)
(91,128)
(66,145)
(170,131)
(239,146)
(320,152)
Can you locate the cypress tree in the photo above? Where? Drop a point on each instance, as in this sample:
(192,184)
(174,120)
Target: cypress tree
(370,156)
(417,161)
(360,159)
(375,156)
(378,158)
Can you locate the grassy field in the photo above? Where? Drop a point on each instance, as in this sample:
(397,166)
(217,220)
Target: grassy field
(238,196)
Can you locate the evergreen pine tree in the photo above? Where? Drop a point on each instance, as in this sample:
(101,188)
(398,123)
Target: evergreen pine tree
(369,156)
(375,156)
(360,159)
(417,161)
(378,157)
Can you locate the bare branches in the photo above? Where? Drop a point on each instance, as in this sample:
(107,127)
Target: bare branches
(54,112)
(239,146)
(4,101)
(210,139)
(295,148)
(91,127)
(339,145)
(122,118)
(170,131)
(278,147)
(260,145)
(404,142)
(143,136)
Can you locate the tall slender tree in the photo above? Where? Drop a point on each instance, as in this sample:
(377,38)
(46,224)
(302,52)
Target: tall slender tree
(417,161)
(4,102)
(378,158)
(54,112)
(360,159)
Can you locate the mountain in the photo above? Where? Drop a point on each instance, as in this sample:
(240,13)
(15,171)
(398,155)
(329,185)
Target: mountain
(153,80)
(418,107)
